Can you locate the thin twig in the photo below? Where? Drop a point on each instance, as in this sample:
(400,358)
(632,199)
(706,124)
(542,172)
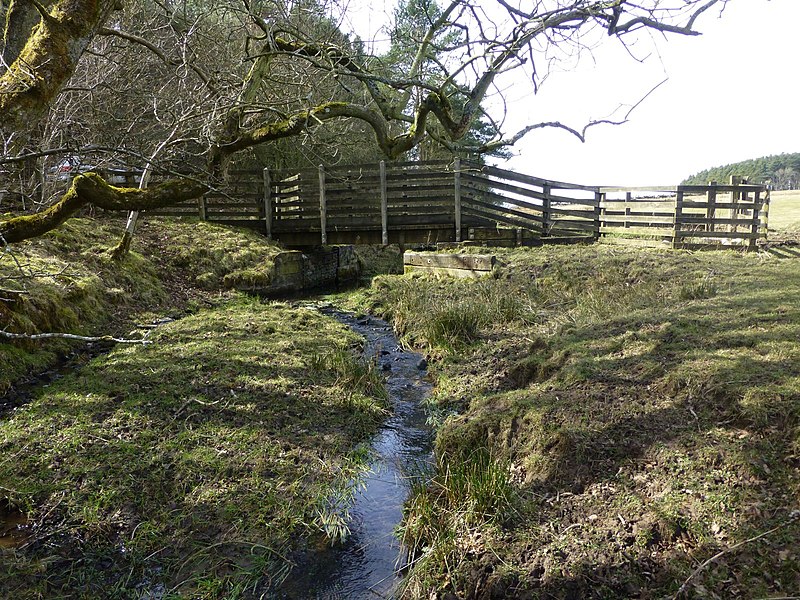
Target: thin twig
(793,516)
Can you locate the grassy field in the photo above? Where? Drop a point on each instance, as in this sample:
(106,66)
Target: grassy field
(784,212)
(633,413)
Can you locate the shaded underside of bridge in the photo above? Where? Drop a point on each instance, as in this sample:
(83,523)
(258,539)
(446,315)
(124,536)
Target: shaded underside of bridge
(460,201)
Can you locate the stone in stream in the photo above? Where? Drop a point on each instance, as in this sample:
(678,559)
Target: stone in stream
(422,364)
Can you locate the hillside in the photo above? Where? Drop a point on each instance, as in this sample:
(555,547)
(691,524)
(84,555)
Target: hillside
(782,170)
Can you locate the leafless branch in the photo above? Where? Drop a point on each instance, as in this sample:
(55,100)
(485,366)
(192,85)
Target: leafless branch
(72,336)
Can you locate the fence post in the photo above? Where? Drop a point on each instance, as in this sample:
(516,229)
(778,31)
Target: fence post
(267,203)
(765,213)
(756,220)
(599,198)
(676,227)
(736,197)
(384,206)
(545,210)
(201,208)
(628,199)
(323,215)
(711,209)
(457,197)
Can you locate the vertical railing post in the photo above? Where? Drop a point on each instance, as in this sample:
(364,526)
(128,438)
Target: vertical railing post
(599,198)
(678,217)
(267,203)
(756,220)
(764,212)
(457,197)
(545,210)
(628,199)
(384,206)
(736,197)
(201,208)
(711,208)
(323,214)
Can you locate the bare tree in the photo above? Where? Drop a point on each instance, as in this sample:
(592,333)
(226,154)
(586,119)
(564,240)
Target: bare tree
(468,48)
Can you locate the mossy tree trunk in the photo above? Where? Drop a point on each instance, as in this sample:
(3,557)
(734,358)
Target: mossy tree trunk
(41,55)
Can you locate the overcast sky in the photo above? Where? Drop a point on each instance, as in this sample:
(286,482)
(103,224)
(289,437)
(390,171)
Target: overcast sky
(730,94)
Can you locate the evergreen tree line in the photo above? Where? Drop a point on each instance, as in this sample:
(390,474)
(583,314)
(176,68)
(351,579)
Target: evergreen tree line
(780,170)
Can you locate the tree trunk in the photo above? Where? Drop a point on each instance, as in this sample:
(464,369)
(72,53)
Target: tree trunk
(41,65)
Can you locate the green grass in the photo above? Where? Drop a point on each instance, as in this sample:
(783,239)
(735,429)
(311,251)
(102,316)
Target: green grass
(648,406)
(193,464)
(784,211)
(68,282)
(192,467)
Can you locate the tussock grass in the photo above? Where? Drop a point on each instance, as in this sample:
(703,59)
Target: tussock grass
(649,405)
(451,508)
(191,466)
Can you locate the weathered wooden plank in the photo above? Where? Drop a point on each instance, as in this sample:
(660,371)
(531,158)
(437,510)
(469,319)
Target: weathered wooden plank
(384,206)
(512,176)
(716,234)
(570,224)
(500,185)
(702,189)
(457,175)
(500,218)
(581,214)
(426,186)
(503,210)
(470,262)
(637,213)
(693,220)
(722,205)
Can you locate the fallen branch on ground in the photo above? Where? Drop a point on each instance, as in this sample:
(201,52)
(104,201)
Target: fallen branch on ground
(72,336)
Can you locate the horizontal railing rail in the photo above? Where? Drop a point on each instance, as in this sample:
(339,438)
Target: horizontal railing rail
(462,197)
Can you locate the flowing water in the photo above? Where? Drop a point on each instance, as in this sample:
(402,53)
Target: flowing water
(368,564)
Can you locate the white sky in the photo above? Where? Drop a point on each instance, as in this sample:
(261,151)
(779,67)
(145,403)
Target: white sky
(731,94)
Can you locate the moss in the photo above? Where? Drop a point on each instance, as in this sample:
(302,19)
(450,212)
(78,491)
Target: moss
(203,456)
(80,289)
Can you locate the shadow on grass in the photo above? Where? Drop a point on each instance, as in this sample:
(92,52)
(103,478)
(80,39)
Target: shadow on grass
(190,464)
(659,441)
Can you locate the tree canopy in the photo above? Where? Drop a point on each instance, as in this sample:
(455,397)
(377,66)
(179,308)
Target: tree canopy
(184,88)
(781,170)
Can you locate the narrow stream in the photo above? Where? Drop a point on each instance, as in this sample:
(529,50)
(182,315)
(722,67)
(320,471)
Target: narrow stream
(367,564)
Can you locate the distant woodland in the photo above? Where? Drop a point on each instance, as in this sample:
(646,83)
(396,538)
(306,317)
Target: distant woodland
(782,170)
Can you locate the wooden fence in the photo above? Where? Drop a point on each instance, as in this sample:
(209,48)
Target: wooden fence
(461,200)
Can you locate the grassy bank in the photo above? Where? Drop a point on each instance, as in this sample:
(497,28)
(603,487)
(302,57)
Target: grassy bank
(644,408)
(193,466)
(66,281)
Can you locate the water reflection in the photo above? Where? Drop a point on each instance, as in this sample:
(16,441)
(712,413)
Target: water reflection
(367,565)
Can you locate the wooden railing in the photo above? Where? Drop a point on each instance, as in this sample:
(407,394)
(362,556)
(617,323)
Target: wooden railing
(458,199)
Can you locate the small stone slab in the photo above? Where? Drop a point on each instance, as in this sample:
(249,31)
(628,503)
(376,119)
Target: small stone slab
(456,265)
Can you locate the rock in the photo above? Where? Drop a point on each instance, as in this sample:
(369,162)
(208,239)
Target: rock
(387,366)
(422,364)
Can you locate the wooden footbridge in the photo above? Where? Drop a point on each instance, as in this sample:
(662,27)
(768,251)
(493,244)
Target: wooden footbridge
(462,201)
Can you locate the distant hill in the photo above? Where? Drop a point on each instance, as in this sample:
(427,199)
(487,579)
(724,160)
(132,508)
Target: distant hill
(782,170)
